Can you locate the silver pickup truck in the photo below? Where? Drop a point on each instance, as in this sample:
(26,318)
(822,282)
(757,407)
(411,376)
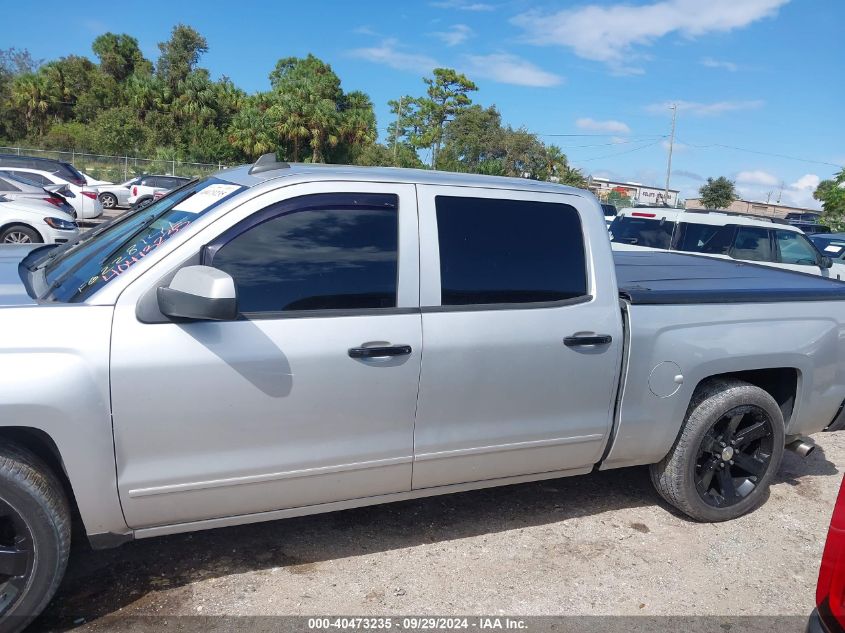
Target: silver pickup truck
(280,340)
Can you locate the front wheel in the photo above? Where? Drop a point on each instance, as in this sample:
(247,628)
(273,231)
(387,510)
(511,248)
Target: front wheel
(727,454)
(34,537)
(20,234)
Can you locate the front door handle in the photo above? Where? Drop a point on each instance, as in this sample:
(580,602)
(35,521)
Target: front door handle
(379,352)
(591,339)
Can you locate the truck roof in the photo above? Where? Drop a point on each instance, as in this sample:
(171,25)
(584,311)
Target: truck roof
(662,277)
(247,175)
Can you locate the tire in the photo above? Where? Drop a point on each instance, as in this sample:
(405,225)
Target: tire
(142,202)
(710,482)
(35,528)
(109,200)
(20,234)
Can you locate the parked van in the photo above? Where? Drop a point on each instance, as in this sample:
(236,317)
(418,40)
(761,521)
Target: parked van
(759,240)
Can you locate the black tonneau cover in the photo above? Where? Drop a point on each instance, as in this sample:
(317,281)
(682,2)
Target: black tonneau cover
(659,277)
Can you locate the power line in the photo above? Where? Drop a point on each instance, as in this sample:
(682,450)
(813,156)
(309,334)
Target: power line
(635,149)
(775,155)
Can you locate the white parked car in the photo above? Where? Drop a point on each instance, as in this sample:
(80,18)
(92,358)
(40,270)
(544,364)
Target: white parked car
(726,235)
(45,172)
(141,193)
(14,187)
(117,195)
(28,222)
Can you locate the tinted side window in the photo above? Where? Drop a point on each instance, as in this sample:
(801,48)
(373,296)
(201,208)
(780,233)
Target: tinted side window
(642,232)
(37,178)
(509,251)
(794,248)
(329,258)
(5,185)
(704,238)
(753,244)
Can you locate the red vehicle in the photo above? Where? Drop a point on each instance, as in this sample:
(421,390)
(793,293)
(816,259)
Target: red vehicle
(829,614)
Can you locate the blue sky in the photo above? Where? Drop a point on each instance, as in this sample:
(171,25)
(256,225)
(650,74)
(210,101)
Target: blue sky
(760,75)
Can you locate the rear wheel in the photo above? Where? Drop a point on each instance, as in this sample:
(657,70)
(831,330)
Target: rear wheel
(143,202)
(109,200)
(20,234)
(34,537)
(727,454)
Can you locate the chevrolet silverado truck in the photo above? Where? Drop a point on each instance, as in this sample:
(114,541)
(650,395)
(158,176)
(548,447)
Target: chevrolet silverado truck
(280,340)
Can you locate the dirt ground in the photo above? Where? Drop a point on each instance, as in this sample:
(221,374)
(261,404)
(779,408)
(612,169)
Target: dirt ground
(598,544)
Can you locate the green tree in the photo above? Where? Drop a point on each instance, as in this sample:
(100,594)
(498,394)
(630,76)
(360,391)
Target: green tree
(474,141)
(309,108)
(718,193)
(831,193)
(252,132)
(556,168)
(36,99)
(117,131)
(180,54)
(423,119)
(120,56)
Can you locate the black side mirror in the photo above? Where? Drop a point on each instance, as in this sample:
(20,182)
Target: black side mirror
(199,293)
(826,262)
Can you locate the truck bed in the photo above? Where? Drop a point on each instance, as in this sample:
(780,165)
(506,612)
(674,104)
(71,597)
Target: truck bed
(659,277)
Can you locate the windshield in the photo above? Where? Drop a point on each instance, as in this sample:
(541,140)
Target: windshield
(75,272)
(641,231)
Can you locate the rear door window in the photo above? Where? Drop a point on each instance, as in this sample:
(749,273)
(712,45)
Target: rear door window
(752,244)
(655,233)
(495,251)
(704,238)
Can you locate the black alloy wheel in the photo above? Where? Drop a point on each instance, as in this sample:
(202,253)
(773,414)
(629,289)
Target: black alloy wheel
(734,455)
(17,556)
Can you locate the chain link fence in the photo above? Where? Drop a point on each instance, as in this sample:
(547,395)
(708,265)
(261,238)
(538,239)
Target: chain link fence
(119,168)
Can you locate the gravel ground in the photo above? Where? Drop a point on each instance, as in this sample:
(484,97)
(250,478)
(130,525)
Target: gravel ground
(600,544)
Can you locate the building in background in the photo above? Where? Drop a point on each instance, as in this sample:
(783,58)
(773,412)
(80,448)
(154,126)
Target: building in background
(751,207)
(624,194)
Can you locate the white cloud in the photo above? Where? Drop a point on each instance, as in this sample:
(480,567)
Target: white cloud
(757,177)
(709,62)
(510,69)
(696,108)
(616,127)
(615,33)
(463,5)
(456,34)
(807,182)
(763,186)
(389,54)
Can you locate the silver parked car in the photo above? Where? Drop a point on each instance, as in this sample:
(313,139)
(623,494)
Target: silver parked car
(281,340)
(117,196)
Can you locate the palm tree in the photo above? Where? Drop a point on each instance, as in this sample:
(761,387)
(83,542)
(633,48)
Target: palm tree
(357,121)
(252,132)
(32,94)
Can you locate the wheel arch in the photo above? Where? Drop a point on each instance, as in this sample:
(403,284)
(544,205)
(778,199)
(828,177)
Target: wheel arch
(9,225)
(781,383)
(40,444)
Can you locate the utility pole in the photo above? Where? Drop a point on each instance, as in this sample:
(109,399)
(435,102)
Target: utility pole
(674,108)
(396,128)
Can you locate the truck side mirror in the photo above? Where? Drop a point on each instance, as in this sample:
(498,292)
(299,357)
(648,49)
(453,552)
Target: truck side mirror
(199,293)
(827,262)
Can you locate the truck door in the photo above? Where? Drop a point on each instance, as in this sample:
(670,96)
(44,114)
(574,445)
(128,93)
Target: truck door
(522,331)
(283,407)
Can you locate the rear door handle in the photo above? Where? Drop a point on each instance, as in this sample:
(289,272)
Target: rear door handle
(379,352)
(592,339)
